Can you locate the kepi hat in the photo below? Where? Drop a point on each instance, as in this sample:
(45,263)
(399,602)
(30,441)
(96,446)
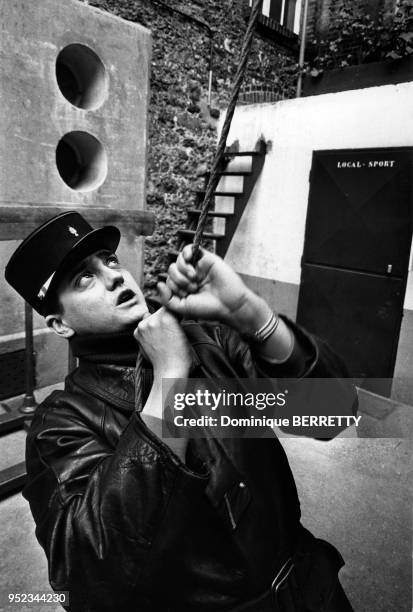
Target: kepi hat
(52,249)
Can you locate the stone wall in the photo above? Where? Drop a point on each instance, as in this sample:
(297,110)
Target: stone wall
(182,130)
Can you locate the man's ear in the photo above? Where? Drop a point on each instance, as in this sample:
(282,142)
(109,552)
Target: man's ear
(55,322)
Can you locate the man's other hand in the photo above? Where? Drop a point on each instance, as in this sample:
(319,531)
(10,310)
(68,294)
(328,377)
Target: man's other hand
(164,344)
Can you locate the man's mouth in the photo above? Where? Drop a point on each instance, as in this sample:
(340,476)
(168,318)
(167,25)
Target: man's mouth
(124,296)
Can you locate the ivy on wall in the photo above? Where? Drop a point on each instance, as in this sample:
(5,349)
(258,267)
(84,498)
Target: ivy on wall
(357,37)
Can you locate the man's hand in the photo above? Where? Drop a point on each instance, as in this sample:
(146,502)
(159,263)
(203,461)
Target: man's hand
(164,344)
(211,291)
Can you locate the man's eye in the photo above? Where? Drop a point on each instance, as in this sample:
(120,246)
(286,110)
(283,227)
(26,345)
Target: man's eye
(112,260)
(83,279)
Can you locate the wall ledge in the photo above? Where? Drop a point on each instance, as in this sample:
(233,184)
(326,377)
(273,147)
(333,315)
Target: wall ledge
(389,72)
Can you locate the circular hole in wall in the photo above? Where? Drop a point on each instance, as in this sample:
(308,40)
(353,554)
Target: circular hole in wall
(81,76)
(81,161)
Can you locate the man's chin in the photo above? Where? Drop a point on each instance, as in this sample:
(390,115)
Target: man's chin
(134,315)
(121,321)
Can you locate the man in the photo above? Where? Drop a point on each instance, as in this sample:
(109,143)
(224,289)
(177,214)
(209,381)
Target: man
(131,521)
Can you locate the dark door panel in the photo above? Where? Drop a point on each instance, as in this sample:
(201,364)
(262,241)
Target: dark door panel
(358,314)
(360,210)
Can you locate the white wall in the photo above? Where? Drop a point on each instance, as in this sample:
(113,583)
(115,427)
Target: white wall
(270,238)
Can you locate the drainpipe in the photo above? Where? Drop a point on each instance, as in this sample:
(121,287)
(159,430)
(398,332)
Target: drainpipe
(210,68)
(302,50)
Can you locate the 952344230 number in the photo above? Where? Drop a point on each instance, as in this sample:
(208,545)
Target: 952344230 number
(61,597)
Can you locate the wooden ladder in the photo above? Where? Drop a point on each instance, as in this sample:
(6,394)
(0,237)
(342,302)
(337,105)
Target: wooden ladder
(229,204)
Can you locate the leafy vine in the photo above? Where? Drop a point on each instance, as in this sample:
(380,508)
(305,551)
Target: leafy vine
(357,37)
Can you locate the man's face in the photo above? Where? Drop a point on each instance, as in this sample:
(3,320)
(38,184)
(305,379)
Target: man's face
(100,296)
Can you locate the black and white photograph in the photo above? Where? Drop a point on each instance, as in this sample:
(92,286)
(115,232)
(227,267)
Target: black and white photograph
(206,305)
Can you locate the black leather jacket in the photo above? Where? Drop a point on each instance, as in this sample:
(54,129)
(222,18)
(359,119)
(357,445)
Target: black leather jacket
(126,525)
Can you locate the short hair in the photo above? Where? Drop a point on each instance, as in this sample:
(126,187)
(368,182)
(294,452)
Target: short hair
(52,304)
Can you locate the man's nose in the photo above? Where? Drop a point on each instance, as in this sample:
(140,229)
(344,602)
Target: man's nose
(112,278)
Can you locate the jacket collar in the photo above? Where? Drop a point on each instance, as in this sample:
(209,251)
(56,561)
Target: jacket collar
(107,367)
(107,364)
(118,349)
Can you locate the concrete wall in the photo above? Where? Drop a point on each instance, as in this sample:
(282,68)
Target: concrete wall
(111,62)
(268,244)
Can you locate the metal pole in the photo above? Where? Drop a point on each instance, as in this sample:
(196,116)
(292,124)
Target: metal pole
(302,50)
(29,401)
(209,89)
(210,67)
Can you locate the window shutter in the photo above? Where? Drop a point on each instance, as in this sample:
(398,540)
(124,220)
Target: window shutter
(275,10)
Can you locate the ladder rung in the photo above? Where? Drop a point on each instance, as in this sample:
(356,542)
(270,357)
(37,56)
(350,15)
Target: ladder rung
(230,173)
(211,213)
(231,194)
(242,153)
(208,235)
(235,173)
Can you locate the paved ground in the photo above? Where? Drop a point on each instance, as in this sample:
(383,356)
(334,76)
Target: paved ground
(357,494)
(23,566)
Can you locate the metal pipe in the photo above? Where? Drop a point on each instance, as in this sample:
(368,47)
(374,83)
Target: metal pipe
(210,70)
(302,50)
(29,401)
(209,89)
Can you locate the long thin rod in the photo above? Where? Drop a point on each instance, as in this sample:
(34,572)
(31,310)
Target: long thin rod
(29,401)
(216,165)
